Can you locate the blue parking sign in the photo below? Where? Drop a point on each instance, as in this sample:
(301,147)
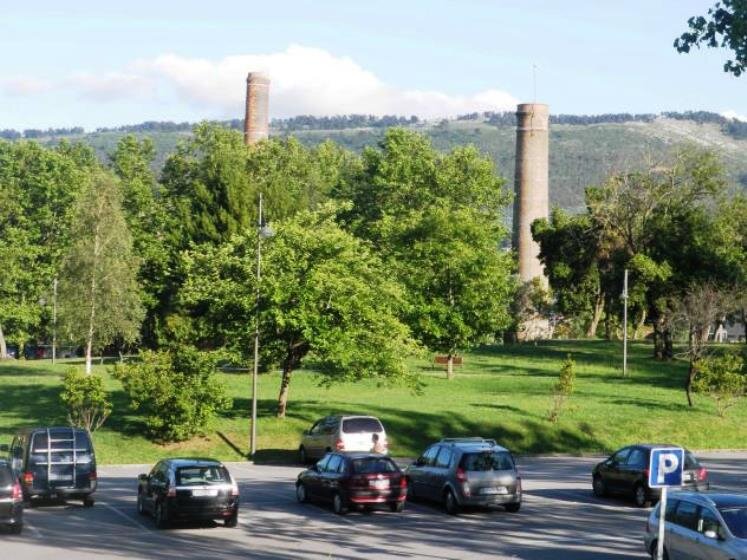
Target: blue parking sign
(665,467)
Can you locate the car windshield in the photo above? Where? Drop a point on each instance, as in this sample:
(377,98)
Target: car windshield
(487,461)
(736,520)
(361,425)
(190,476)
(373,466)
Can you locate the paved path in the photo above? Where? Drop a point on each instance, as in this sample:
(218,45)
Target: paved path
(560,519)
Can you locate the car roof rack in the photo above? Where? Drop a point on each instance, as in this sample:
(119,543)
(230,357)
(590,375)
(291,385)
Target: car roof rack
(491,442)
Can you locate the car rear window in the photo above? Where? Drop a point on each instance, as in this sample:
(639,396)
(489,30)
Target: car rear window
(373,466)
(361,425)
(487,461)
(190,476)
(6,476)
(736,520)
(60,441)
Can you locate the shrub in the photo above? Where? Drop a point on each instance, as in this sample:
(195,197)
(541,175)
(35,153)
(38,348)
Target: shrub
(85,399)
(176,390)
(563,389)
(721,378)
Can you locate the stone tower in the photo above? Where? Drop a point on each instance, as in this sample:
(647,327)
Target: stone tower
(531,186)
(256,126)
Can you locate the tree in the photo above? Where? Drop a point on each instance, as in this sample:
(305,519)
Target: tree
(723,379)
(725,26)
(563,389)
(99,295)
(325,300)
(86,400)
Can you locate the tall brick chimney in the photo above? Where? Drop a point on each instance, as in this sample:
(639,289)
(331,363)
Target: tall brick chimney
(256,125)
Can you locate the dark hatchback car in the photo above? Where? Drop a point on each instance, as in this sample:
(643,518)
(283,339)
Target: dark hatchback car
(462,472)
(57,462)
(354,479)
(188,490)
(625,473)
(11,500)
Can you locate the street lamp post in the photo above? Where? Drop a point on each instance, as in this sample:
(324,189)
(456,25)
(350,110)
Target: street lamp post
(54,320)
(625,323)
(263,231)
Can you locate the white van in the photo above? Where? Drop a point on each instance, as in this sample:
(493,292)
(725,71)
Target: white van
(343,433)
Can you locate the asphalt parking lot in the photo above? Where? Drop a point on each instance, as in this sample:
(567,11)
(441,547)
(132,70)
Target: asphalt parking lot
(559,515)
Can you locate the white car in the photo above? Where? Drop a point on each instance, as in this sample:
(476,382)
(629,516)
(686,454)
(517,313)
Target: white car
(343,433)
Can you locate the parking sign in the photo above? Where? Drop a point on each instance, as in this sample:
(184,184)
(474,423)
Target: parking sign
(665,467)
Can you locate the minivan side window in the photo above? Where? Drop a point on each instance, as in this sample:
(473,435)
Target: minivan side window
(687,515)
(429,457)
(444,458)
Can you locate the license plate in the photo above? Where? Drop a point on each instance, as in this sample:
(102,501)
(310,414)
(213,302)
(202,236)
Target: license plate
(493,491)
(204,493)
(688,477)
(380,484)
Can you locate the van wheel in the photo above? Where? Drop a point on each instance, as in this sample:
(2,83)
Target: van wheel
(338,504)
(302,456)
(88,502)
(639,496)
(160,517)
(450,503)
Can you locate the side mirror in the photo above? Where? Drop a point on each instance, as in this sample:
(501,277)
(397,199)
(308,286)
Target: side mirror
(710,534)
(4,448)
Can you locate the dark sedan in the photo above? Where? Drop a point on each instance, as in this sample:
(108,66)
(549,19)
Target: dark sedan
(625,473)
(11,500)
(354,480)
(188,489)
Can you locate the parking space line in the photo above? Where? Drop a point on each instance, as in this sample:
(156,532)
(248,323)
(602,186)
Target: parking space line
(34,530)
(123,515)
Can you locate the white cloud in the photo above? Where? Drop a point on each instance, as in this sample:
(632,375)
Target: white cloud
(25,86)
(304,80)
(733,115)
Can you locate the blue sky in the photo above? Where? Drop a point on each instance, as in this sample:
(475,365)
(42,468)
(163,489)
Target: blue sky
(93,64)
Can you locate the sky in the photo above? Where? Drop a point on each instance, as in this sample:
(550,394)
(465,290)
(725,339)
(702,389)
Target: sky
(100,64)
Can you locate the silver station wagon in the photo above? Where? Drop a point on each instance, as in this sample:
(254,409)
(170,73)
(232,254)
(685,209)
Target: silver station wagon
(343,433)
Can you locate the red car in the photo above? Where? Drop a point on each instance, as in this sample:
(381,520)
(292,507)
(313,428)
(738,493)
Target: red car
(357,479)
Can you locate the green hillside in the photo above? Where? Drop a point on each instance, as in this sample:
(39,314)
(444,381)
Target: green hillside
(581,154)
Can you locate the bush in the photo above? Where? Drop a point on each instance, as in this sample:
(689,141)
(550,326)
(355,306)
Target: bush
(176,390)
(563,389)
(85,399)
(721,378)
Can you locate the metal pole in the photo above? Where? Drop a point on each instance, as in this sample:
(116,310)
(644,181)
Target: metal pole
(625,324)
(662,521)
(253,442)
(54,320)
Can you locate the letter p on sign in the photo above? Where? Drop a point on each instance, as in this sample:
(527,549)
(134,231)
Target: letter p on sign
(665,467)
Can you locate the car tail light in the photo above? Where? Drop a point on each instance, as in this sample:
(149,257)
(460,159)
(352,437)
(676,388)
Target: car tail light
(340,445)
(171,492)
(403,482)
(28,478)
(702,474)
(461,476)
(92,476)
(17,493)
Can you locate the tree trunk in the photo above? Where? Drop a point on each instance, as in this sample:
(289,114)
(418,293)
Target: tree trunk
(450,367)
(692,369)
(639,325)
(283,396)
(668,344)
(3,346)
(658,342)
(596,316)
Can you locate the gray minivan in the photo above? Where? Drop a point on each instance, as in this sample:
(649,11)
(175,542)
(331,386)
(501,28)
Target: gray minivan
(55,462)
(466,472)
(700,525)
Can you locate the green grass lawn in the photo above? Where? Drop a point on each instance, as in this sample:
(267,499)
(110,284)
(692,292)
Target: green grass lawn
(503,392)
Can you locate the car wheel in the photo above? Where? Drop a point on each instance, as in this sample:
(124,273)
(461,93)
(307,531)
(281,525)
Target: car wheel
(233,521)
(599,487)
(302,456)
(16,529)
(88,502)
(397,507)
(140,504)
(450,503)
(513,508)
(338,505)
(639,496)
(160,517)
(301,493)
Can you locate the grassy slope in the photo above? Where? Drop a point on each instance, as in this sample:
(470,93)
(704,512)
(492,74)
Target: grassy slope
(501,392)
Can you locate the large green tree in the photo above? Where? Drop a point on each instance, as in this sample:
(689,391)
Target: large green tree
(99,295)
(324,299)
(724,26)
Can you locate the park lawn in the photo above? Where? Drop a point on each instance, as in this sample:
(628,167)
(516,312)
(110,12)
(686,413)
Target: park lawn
(502,392)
